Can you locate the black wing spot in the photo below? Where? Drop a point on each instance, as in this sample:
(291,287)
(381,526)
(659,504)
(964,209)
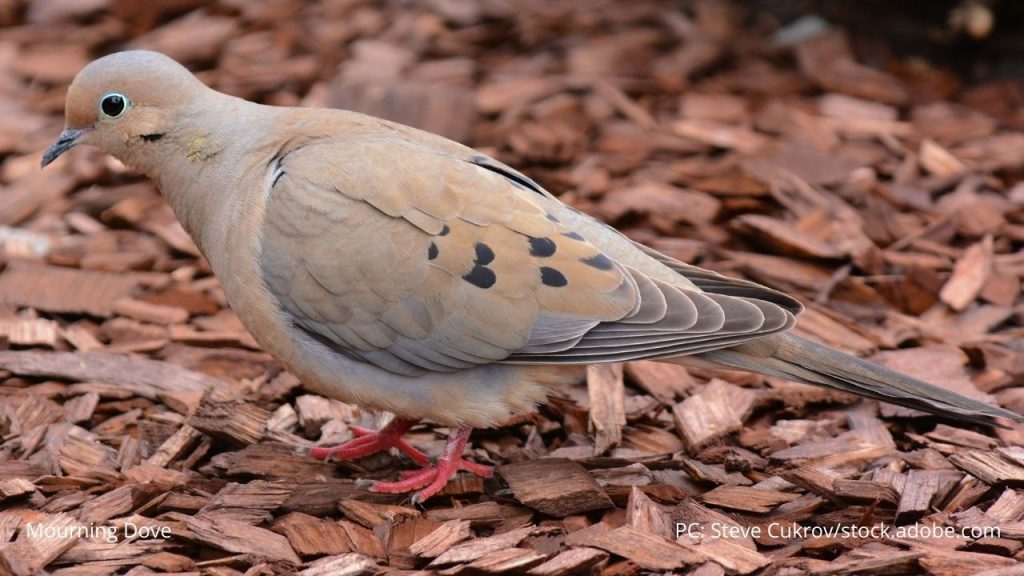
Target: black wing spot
(520,185)
(432,251)
(553,218)
(515,178)
(481,277)
(600,261)
(445,230)
(552,277)
(484,254)
(574,235)
(542,247)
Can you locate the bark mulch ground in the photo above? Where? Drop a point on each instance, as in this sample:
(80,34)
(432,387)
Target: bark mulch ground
(144,431)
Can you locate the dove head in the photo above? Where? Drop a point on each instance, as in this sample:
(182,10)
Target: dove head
(125,101)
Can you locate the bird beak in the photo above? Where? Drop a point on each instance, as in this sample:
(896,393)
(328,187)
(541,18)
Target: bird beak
(65,142)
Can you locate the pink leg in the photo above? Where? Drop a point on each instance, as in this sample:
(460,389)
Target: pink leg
(369,442)
(433,478)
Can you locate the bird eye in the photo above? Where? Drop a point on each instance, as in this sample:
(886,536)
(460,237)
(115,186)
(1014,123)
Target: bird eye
(114,104)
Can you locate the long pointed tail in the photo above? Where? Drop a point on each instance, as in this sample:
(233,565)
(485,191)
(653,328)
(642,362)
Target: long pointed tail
(795,358)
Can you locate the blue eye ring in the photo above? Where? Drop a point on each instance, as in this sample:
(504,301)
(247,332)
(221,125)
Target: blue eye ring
(114,104)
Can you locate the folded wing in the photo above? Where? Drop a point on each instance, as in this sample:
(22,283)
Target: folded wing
(413,259)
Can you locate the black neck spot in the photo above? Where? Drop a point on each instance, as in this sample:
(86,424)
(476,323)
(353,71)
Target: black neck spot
(152,137)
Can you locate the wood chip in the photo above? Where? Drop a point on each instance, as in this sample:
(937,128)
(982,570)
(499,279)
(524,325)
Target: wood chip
(937,160)
(607,412)
(342,565)
(645,550)
(272,460)
(479,514)
(666,382)
(57,289)
(444,110)
(661,202)
(474,549)
(873,562)
(235,338)
(813,479)
(730,554)
(969,275)
(966,438)
(54,535)
(15,487)
(953,563)
(441,539)
(80,453)
(251,502)
(174,447)
(783,238)
(320,497)
(29,331)
(240,423)
(373,515)
(312,536)
(554,486)
(512,560)
(146,378)
(81,408)
(240,538)
(1008,507)
(989,467)
(720,135)
(869,490)
(717,410)
(572,561)
(747,499)
(149,312)
(315,411)
(22,199)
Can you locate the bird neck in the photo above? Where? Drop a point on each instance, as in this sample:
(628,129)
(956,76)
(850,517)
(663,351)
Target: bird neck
(200,164)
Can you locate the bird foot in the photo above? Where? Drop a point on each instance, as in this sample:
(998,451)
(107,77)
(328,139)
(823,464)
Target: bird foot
(369,442)
(430,480)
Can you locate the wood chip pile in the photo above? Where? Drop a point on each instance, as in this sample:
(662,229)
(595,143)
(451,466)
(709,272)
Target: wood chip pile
(887,197)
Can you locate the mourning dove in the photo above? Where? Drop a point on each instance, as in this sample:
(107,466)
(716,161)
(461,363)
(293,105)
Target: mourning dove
(402,271)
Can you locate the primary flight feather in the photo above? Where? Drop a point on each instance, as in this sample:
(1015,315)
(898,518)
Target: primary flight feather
(399,270)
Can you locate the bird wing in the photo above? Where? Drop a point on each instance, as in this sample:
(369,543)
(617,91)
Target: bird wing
(714,282)
(415,258)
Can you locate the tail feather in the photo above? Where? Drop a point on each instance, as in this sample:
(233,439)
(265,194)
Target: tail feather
(795,358)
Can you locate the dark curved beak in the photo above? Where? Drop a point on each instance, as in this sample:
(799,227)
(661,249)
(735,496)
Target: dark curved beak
(65,142)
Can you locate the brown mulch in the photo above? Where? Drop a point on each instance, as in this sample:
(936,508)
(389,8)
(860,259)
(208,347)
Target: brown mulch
(888,197)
